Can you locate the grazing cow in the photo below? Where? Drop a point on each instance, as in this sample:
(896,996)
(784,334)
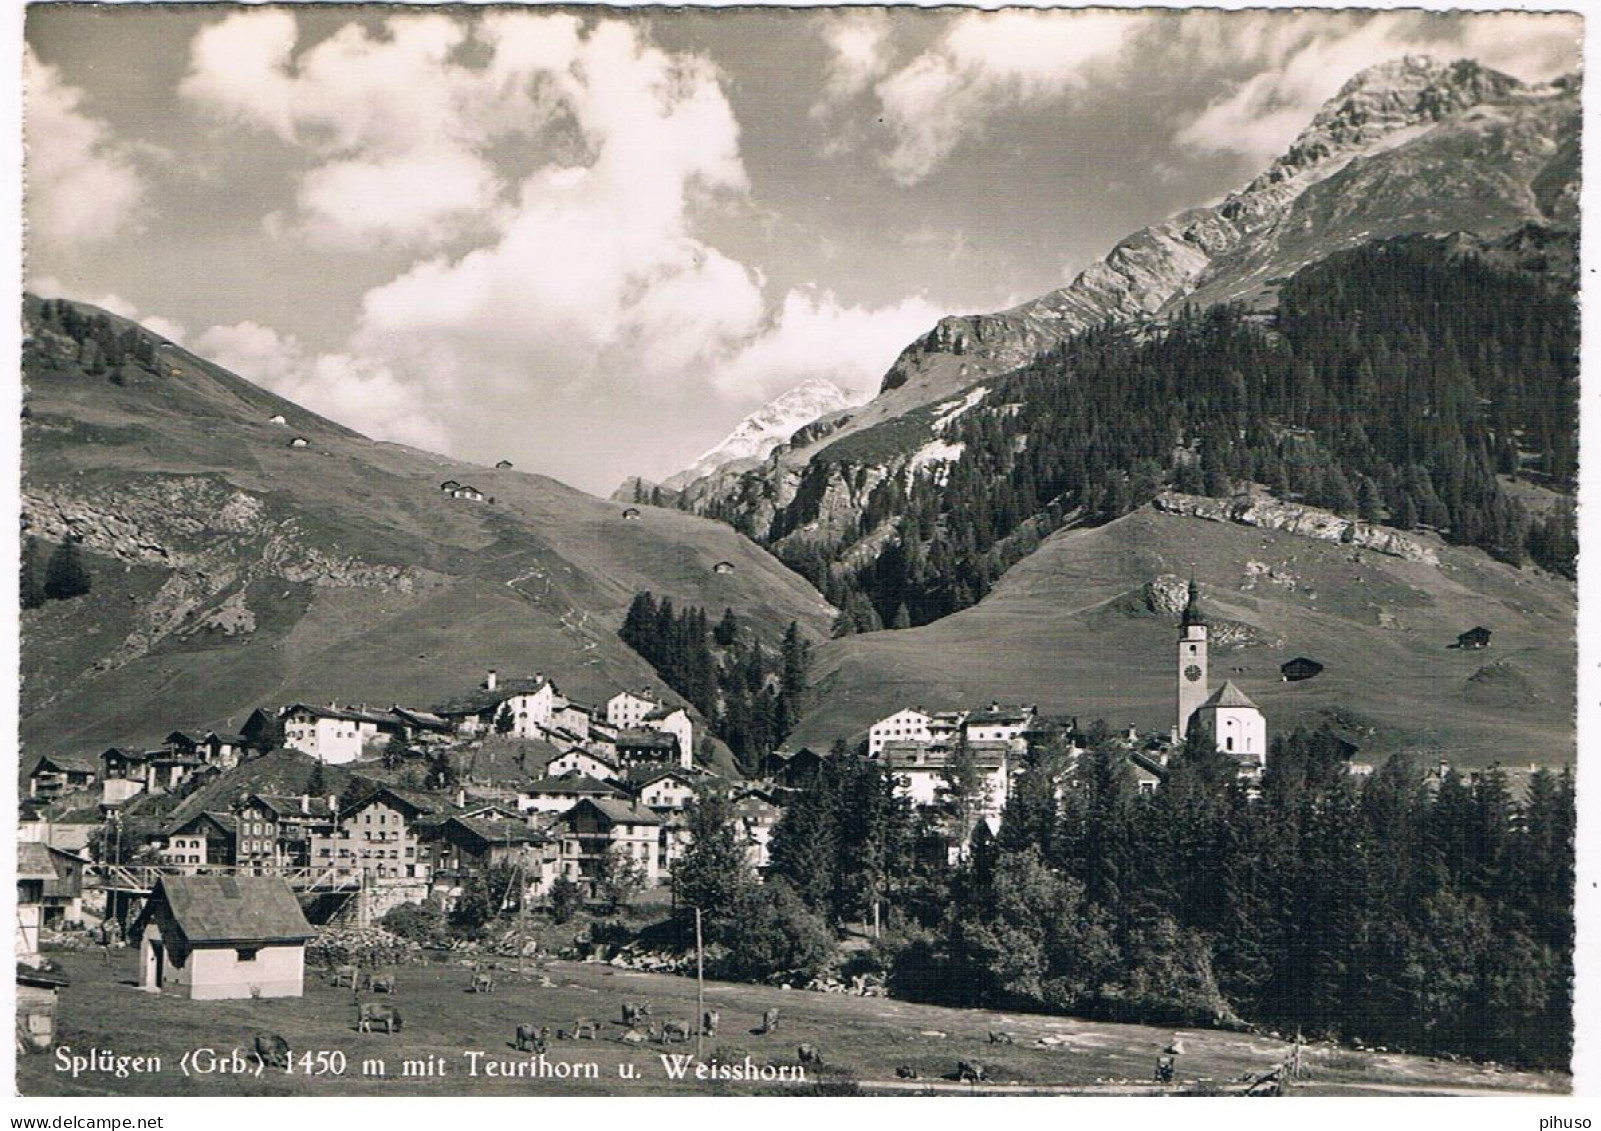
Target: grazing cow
(273,1050)
(810,1056)
(346,976)
(905,1072)
(970,1070)
(381,983)
(634,1036)
(1176,1047)
(999,1038)
(675,1031)
(708,1022)
(769,1021)
(586,1027)
(531,1039)
(369,1014)
(634,1012)
(483,982)
(1164,1070)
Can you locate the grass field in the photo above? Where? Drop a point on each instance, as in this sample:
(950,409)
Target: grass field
(863,1041)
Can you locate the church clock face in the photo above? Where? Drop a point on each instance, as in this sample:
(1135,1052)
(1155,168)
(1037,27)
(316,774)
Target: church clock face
(1192,673)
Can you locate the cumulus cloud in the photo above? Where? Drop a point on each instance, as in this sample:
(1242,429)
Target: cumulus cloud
(814,335)
(358,392)
(82,183)
(1306,58)
(396,124)
(858,45)
(985,64)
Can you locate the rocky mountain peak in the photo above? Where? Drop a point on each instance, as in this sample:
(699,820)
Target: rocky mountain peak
(1414,90)
(766,428)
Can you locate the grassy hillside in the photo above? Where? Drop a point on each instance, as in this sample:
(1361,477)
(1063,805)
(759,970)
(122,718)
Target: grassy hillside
(231,569)
(1068,628)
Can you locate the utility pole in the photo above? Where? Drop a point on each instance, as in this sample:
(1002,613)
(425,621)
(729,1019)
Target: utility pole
(700,987)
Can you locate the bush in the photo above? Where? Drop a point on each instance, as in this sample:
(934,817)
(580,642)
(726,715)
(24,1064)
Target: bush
(416,923)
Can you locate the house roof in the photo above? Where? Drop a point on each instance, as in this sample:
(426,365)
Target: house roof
(408,803)
(572,782)
(641,776)
(76,763)
(619,812)
(647,739)
(482,699)
(345,713)
(498,832)
(33,861)
(1228,696)
(296,805)
(424,719)
(663,712)
(227,822)
(231,908)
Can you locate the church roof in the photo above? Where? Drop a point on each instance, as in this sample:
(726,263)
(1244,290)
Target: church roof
(1228,696)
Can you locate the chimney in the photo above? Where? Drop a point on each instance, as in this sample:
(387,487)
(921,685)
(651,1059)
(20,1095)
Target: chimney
(491,680)
(333,804)
(461,794)
(305,803)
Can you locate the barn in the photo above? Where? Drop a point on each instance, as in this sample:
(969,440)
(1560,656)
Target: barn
(214,937)
(1294,671)
(1478,637)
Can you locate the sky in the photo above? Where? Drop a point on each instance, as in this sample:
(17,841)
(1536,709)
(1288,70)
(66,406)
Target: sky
(591,240)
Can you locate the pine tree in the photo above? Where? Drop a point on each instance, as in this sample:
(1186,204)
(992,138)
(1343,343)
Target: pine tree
(64,574)
(31,593)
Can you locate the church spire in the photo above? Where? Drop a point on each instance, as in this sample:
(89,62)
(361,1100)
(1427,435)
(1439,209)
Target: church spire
(1192,607)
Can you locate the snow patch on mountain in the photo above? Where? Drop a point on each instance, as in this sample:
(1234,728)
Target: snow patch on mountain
(774,423)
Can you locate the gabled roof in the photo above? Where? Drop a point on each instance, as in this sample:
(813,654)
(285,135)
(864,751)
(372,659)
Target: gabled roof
(492,832)
(129,754)
(427,720)
(231,909)
(572,782)
(653,739)
(74,763)
(1228,696)
(408,803)
(617,812)
(344,713)
(663,712)
(33,861)
(641,776)
(291,806)
(227,822)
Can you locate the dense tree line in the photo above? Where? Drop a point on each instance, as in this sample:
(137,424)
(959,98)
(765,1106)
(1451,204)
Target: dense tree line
(750,694)
(1396,383)
(1434,916)
(102,348)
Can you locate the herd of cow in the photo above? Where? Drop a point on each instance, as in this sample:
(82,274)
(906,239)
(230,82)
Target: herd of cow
(637,1028)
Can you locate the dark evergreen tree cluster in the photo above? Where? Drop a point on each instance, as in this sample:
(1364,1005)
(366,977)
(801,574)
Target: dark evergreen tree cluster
(102,348)
(65,575)
(1433,916)
(1397,383)
(750,694)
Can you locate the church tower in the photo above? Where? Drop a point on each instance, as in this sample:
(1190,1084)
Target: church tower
(1191,662)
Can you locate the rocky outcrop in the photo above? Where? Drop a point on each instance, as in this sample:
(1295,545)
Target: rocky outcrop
(1294,518)
(213,539)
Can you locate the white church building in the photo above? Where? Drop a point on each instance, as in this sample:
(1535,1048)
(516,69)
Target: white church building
(1235,723)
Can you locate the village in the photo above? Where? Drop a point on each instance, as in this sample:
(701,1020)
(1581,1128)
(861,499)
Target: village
(237,891)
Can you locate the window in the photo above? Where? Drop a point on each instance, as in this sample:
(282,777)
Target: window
(245,953)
